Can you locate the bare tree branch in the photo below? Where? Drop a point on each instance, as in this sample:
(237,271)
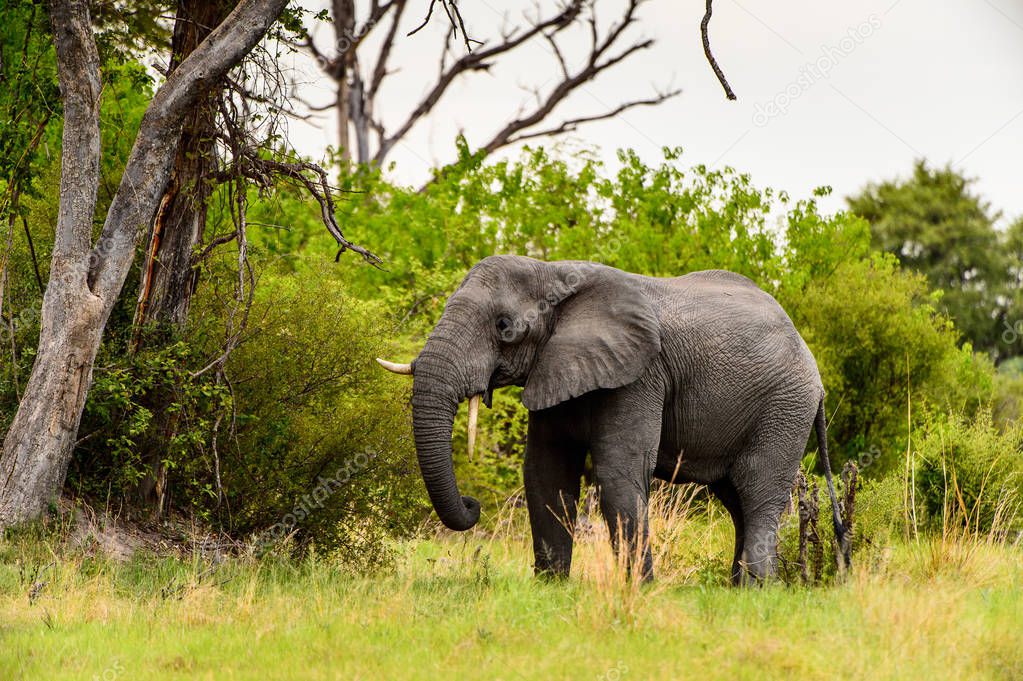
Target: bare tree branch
(557,53)
(573,124)
(704,25)
(380,69)
(597,62)
(358,89)
(250,163)
(477,61)
(454,18)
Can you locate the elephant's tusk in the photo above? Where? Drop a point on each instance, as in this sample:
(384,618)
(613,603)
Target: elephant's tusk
(404,369)
(474,412)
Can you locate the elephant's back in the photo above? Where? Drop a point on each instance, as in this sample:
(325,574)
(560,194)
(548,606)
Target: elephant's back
(730,349)
(723,277)
(722,301)
(731,317)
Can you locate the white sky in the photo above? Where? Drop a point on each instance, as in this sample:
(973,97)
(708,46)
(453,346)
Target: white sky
(942,81)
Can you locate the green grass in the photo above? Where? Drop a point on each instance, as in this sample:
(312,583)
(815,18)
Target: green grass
(467,607)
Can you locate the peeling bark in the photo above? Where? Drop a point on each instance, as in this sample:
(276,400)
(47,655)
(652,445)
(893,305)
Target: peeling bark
(168,275)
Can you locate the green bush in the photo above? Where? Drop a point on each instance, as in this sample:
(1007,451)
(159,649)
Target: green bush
(1008,388)
(969,471)
(880,518)
(145,403)
(302,437)
(880,345)
(321,441)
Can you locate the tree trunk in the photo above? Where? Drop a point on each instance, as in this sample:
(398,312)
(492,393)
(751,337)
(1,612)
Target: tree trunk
(39,444)
(339,67)
(86,279)
(168,275)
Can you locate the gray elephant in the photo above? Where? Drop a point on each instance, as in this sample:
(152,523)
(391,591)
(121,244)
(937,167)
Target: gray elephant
(699,378)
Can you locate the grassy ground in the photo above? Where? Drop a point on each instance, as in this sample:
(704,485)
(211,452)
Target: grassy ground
(467,607)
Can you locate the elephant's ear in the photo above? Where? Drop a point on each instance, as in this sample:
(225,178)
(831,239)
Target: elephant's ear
(605,335)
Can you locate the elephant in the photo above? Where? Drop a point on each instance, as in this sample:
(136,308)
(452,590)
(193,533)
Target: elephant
(697,378)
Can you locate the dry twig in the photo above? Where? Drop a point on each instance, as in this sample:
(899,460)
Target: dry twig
(704,26)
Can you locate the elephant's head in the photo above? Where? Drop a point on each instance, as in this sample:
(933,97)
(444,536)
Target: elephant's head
(559,329)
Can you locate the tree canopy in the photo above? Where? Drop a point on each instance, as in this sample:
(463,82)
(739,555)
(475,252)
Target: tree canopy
(934,224)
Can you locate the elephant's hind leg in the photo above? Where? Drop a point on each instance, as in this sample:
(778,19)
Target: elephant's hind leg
(725,491)
(552,473)
(763,476)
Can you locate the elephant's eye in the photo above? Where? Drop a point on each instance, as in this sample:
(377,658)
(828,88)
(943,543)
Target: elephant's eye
(506,329)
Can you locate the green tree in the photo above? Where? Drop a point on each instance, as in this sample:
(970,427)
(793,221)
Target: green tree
(934,224)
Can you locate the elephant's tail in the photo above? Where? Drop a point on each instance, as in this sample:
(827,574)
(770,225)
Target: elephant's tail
(844,544)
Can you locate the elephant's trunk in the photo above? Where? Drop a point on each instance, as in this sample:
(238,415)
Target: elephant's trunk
(434,403)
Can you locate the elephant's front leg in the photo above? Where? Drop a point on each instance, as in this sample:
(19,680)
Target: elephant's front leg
(625,435)
(553,469)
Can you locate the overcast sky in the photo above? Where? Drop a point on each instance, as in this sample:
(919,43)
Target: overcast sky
(904,79)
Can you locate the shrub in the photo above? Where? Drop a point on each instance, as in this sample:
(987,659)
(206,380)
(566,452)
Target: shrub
(1008,399)
(321,443)
(969,471)
(122,431)
(302,436)
(879,343)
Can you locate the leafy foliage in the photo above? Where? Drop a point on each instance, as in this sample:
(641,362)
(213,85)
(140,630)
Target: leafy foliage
(116,432)
(304,437)
(935,225)
(320,443)
(971,472)
(880,345)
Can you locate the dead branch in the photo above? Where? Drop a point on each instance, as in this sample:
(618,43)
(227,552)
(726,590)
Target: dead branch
(360,78)
(809,536)
(247,161)
(481,60)
(600,59)
(380,70)
(454,18)
(704,26)
(148,166)
(573,124)
(358,92)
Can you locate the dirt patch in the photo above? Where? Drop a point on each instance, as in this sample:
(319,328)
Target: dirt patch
(112,536)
